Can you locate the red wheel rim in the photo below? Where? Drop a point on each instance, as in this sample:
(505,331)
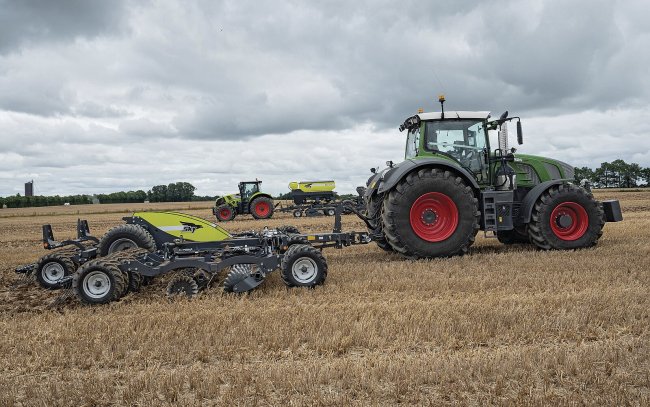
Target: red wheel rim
(224,213)
(569,221)
(434,217)
(262,208)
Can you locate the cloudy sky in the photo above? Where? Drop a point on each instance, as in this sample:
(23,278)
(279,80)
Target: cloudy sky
(102,96)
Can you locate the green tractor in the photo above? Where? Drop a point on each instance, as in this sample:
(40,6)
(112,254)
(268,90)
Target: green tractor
(249,200)
(452,184)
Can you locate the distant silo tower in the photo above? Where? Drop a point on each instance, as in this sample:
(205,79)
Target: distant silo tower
(29,188)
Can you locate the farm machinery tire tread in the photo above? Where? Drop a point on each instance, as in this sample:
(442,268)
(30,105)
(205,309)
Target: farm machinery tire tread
(264,201)
(107,271)
(374,210)
(398,215)
(307,261)
(134,233)
(542,232)
(61,260)
(224,213)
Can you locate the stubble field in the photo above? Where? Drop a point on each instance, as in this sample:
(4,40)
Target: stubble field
(502,325)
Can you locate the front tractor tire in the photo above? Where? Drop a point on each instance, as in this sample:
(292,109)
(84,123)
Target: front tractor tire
(431,213)
(125,237)
(224,213)
(566,217)
(261,207)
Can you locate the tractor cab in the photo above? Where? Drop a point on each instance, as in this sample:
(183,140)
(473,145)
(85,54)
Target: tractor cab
(247,189)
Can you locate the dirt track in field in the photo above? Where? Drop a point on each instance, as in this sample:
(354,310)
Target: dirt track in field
(503,325)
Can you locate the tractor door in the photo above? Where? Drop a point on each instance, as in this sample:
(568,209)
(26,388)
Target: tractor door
(246,191)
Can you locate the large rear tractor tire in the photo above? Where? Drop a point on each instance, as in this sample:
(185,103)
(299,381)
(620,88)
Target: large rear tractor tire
(431,213)
(373,210)
(261,207)
(566,217)
(99,282)
(303,266)
(124,237)
(52,267)
(224,213)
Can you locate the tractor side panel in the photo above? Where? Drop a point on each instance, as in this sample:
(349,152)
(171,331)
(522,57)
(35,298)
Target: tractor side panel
(184,226)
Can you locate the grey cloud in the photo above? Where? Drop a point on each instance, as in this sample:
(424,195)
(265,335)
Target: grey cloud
(30,21)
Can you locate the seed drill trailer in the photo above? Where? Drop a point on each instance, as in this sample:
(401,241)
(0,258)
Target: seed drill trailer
(452,184)
(151,244)
(316,198)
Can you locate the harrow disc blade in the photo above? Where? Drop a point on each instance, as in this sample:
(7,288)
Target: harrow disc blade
(242,279)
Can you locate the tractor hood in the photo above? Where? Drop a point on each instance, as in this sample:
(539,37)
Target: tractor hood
(537,169)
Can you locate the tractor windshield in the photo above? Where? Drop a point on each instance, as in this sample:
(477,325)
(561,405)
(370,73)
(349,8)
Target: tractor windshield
(249,189)
(464,140)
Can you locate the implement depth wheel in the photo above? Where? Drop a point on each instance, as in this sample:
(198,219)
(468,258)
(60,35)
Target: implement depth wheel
(565,217)
(98,282)
(261,207)
(303,266)
(430,213)
(52,268)
(224,213)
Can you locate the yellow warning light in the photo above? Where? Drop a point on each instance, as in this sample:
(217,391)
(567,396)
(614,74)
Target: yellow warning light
(420,110)
(441,98)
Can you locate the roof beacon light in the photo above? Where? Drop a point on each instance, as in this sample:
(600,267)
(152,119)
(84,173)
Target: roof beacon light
(441,99)
(420,110)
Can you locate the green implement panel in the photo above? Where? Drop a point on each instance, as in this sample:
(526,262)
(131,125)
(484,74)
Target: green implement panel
(312,186)
(184,226)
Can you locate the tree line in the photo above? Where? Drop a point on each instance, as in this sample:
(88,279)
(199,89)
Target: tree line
(173,192)
(617,174)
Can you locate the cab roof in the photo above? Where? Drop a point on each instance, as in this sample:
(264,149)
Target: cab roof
(454,115)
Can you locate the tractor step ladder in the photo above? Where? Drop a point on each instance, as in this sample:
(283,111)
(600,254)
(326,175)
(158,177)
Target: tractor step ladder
(497,211)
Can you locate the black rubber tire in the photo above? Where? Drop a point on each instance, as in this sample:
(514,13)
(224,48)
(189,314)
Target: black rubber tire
(329,212)
(137,234)
(297,213)
(374,207)
(112,274)
(539,228)
(61,261)
(219,215)
(311,256)
(396,214)
(288,229)
(258,200)
(513,237)
(182,285)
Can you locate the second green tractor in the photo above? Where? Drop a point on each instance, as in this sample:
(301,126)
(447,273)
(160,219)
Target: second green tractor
(250,199)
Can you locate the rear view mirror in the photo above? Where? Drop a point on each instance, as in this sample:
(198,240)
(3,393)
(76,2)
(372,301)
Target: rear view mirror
(520,134)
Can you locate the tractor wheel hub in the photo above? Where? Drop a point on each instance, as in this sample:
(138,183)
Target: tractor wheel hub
(429,217)
(564,221)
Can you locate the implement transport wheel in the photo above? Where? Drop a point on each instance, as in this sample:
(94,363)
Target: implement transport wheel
(124,237)
(373,210)
(98,282)
(566,216)
(182,285)
(261,207)
(52,268)
(431,213)
(303,266)
(329,212)
(224,213)
(297,213)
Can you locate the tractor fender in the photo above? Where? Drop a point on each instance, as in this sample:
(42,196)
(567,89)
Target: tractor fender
(533,195)
(395,174)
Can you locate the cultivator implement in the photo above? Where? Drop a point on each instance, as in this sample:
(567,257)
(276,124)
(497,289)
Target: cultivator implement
(152,244)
